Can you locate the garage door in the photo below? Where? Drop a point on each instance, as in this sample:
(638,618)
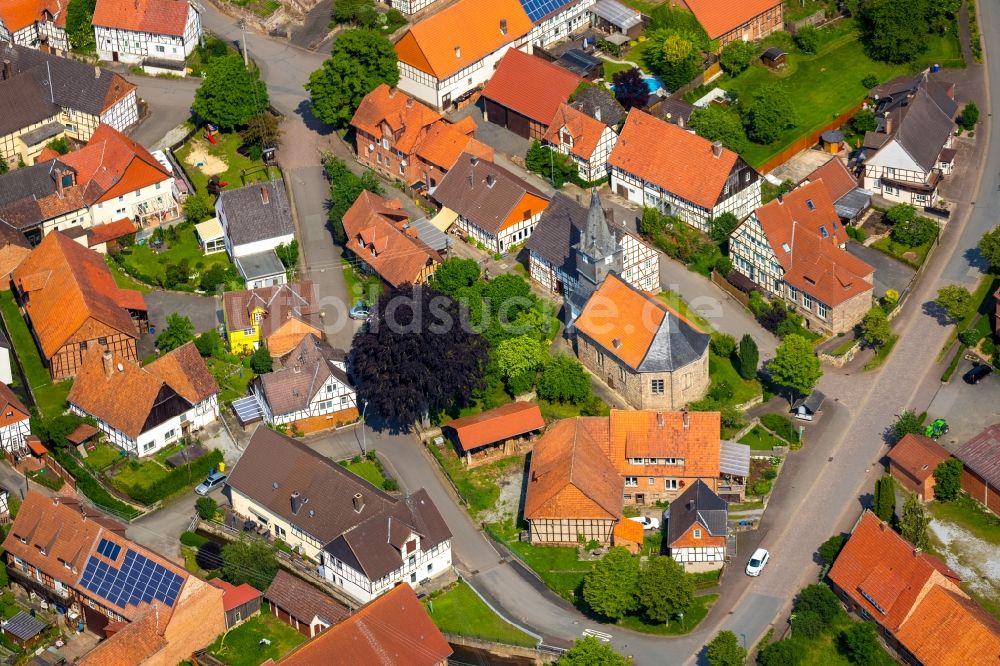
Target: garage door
(496,114)
(518,124)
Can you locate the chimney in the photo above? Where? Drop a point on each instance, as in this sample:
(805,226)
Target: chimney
(888,123)
(659,420)
(97,72)
(296,503)
(684,416)
(916,551)
(490,180)
(882,525)
(108,367)
(265,198)
(392,93)
(717,148)
(55,500)
(359,502)
(617,343)
(6,70)
(59,181)
(503,26)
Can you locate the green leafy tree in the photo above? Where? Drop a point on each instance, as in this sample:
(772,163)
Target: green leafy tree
(455,276)
(179,331)
(215,277)
(819,599)
(989,247)
(664,589)
(969,117)
(875,329)
(206,507)
(725,650)
(79,14)
(60,145)
(807,39)
(863,121)
(790,652)
(611,586)
(723,225)
(563,379)
(630,88)
(769,114)
(860,643)
(894,31)
(948,480)
(795,365)
(516,357)
(955,300)
(885,498)
(345,187)
(209,343)
(869,81)
(915,232)
(550,164)
(262,130)
(197,209)
(260,360)
(807,624)
(914,521)
(4,167)
(249,561)
(588,651)
(717,123)
(231,93)
(907,423)
(723,344)
(830,548)
(674,56)
(736,56)
(288,253)
(749,356)
(360,61)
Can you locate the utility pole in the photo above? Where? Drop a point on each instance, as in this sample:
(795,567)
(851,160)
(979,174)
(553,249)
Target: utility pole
(242,25)
(364,433)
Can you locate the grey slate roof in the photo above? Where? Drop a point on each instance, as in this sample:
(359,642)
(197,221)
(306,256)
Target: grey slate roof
(30,104)
(812,402)
(675,111)
(598,103)
(696,504)
(675,345)
(249,219)
(275,466)
(981,454)
(303,372)
(559,229)
(465,189)
(259,265)
(923,129)
(852,204)
(39,134)
(303,601)
(24,626)
(734,458)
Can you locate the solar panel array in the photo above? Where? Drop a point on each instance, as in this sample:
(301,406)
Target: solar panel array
(109,549)
(139,579)
(536,9)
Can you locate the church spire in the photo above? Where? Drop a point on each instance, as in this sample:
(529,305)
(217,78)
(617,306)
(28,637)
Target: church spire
(598,241)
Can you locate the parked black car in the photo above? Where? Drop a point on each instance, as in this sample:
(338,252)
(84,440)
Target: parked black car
(978,372)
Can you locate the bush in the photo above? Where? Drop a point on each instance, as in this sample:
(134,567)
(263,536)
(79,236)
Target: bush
(209,343)
(89,486)
(970,337)
(390,485)
(830,548)
(206,507)
(175,480)
(819,599)
(723,344)
(761,488)
(807,624)
(769,474)
(807,39)
(780,426)
(783,653)
(736,56)
(721,392)
(860,643)
(969,117)
(193,540)
(869,81)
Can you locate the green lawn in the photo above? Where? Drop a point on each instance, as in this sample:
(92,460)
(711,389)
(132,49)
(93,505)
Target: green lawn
(233,379)
(722,370)
(102,457)
(367,470)
(150,265)
(136,474)
(612,68)
(460,611)
(970,515)
(477,486)
(844,347)
(167,451)
(882,353)
(9,606)
(224,149)
(760,439)
(557,566)
(241,646)
(363,287)
(125,281)
(49,397)
(693,616)
(914,256)
(554,411)
(823,86)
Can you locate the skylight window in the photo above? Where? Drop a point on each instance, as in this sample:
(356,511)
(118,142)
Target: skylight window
(823,232)
(785,247)
(810,205)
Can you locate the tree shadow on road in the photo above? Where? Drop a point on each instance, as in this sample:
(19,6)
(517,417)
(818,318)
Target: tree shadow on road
(935,311)
(304,111)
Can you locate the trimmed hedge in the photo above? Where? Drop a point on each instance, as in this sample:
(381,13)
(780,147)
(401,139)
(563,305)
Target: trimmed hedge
(192,539)
(90,487)
(177,479)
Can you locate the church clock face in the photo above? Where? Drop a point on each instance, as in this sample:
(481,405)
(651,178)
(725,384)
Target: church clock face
(608,260)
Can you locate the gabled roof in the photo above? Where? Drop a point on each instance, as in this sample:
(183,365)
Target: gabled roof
(497,424)
(617,14)
(676,160)
(981,454)
(697,504)
(281,302)
(19,14)
(184,370)
(918,455)
(570,476)
(461,35)
(652,434)
(532,87)
(585,132)
(379,232)
(806,208)
(922,128)
(256,212)
(157,17)
(488,195)
(837,180)
(234,596)
(293,384)
(884,574)
(394,629)
(30,106)
(69,284)
(111,165)
(302,600)
(949,629)
(102,233)
(719,17)
(639,329)
(598,103)
(10,402)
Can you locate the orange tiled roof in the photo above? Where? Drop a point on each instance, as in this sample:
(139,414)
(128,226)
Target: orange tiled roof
(233,595)
(393,629)
(444,143)
(376,231)
(836,178)
(948,629)
(570,475)
(673,158)
(9,402)
(112,165)
(918,455)
(102,233)
(460,35)
(877,566)
(650,434)
(719,17)
(584,131)
(70,284)
(806,207)
(158,17)
(498,424)
(629,532)
(184,370)
(286,301)
(19,14)
(530,86)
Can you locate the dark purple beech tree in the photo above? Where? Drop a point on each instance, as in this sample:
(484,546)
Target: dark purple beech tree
(631,89)
(417,357)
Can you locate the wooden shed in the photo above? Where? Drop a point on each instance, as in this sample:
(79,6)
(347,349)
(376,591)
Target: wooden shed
(495,432)
(774,58)
(240,603)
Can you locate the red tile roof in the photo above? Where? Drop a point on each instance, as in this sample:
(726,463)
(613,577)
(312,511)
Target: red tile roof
(495,425)
(678,161)
(918,455)
(531,86)
(836,178)
(392,630)
(102,233)
(158,17)
(948,629)
(584,131)
(19,14)
(719,17)
(234,596)
(112,165)
(651,434)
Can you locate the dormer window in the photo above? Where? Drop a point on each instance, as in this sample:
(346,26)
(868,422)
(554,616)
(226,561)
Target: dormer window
(785,247)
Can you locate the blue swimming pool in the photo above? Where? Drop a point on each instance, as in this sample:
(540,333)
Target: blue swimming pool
(652,83)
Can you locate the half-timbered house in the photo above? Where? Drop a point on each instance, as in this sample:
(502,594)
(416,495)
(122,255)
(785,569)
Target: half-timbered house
(14,426)
(140,31)
(39,24)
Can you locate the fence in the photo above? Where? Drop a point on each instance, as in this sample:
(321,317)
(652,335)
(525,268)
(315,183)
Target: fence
(51,463)
(727,287)
(807,141)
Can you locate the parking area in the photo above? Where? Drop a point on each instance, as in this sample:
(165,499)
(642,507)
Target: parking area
(967,408)
(503,140)
(889,273)
(204,312)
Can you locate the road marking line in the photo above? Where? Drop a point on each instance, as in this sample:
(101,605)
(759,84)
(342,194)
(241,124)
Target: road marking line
(599,635)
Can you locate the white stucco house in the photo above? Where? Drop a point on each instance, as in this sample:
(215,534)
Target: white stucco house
(139,31)
(366,540)
(255,218)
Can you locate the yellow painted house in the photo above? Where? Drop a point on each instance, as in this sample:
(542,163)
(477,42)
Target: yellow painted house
(280,316)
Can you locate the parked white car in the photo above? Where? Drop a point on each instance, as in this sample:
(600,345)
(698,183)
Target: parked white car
(757,562)
(647,522)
